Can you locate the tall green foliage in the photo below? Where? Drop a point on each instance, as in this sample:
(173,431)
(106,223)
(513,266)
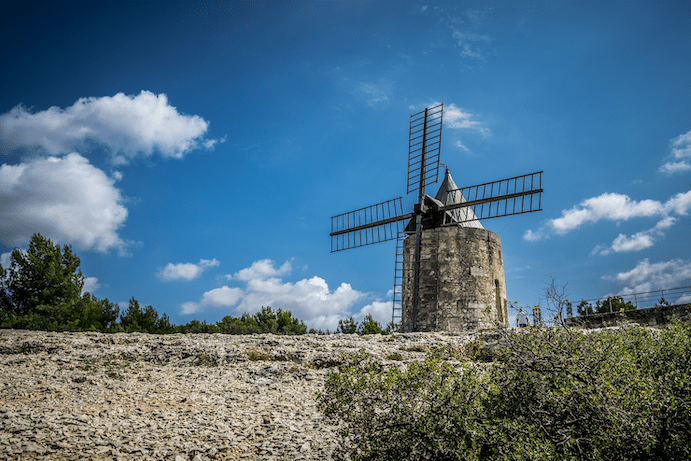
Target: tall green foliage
(144,320)
(42,289)
(44,275)
(549,394)
(265,321)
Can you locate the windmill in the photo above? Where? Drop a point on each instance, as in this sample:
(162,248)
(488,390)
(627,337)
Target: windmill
(449,269)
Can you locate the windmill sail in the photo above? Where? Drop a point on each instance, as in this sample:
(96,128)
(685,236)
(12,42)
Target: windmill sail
(368,225)
(424,146)
(517,195)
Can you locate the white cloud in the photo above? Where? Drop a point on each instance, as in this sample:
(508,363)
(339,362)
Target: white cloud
(222,297)
(647,277)
(310,300)
(90,285)
(610,206)
(636,242)
(680,203)
(461,146)
(532,236)
(639,240)
(65,199)
(681,149)
(261,269)
(5,260)
(681,146)
(455,117)
(185,271)
(191,308)
(618,207)
(128,125)
(379,310)
(675,167)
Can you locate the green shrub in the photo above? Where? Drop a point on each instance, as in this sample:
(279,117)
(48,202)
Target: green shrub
(550,394)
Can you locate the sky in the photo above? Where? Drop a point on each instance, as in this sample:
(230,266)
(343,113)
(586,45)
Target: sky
(193,153)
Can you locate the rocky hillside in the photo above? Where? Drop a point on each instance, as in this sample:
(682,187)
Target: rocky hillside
(66,396)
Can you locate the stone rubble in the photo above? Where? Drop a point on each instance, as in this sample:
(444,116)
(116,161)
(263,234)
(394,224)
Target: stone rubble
(98,396)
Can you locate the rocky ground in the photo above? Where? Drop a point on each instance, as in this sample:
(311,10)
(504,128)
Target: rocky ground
(68,396)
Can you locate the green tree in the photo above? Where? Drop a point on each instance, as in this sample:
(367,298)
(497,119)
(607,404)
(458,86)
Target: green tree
(289,325)
(238,326)
(45,275)
(347,326)
(369,326)
(584,308)
(266,320)
(144,320)
(42,289)
(614,304)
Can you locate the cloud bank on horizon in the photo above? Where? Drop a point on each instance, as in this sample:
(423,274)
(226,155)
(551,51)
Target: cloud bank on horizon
(310,299)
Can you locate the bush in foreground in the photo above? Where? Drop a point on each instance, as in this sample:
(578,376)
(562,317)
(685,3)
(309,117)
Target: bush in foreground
(549,394)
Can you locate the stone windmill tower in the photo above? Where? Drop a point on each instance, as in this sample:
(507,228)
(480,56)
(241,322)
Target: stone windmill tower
(449,269)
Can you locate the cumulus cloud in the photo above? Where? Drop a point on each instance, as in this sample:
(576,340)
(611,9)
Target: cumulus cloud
(455,117)
(65,199)
(648,277)
(671,168)
(460,145)
(379,310)
(185,271)
(610,206)
(681,146)
(311,300)
(261,269)
(639,240)
(222,297)
(90,285)
(128,125)
(680,203)
(681,150)
(618,207)
(532,236)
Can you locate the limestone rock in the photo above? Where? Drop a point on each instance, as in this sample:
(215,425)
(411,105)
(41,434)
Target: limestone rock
(177,397)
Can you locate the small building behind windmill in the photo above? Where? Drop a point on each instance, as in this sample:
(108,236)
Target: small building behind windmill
(461,281)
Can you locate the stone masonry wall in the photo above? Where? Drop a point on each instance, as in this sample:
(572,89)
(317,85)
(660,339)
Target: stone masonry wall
(462,284)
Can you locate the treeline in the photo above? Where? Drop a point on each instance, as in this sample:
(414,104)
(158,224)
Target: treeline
(611,304)
(42,290)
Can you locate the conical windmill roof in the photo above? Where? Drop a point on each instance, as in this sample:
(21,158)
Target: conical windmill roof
(449,194)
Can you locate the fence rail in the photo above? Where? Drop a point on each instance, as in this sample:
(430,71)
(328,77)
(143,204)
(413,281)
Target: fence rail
(647,299)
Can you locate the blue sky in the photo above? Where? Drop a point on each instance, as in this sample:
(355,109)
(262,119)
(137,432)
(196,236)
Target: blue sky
(193,153)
